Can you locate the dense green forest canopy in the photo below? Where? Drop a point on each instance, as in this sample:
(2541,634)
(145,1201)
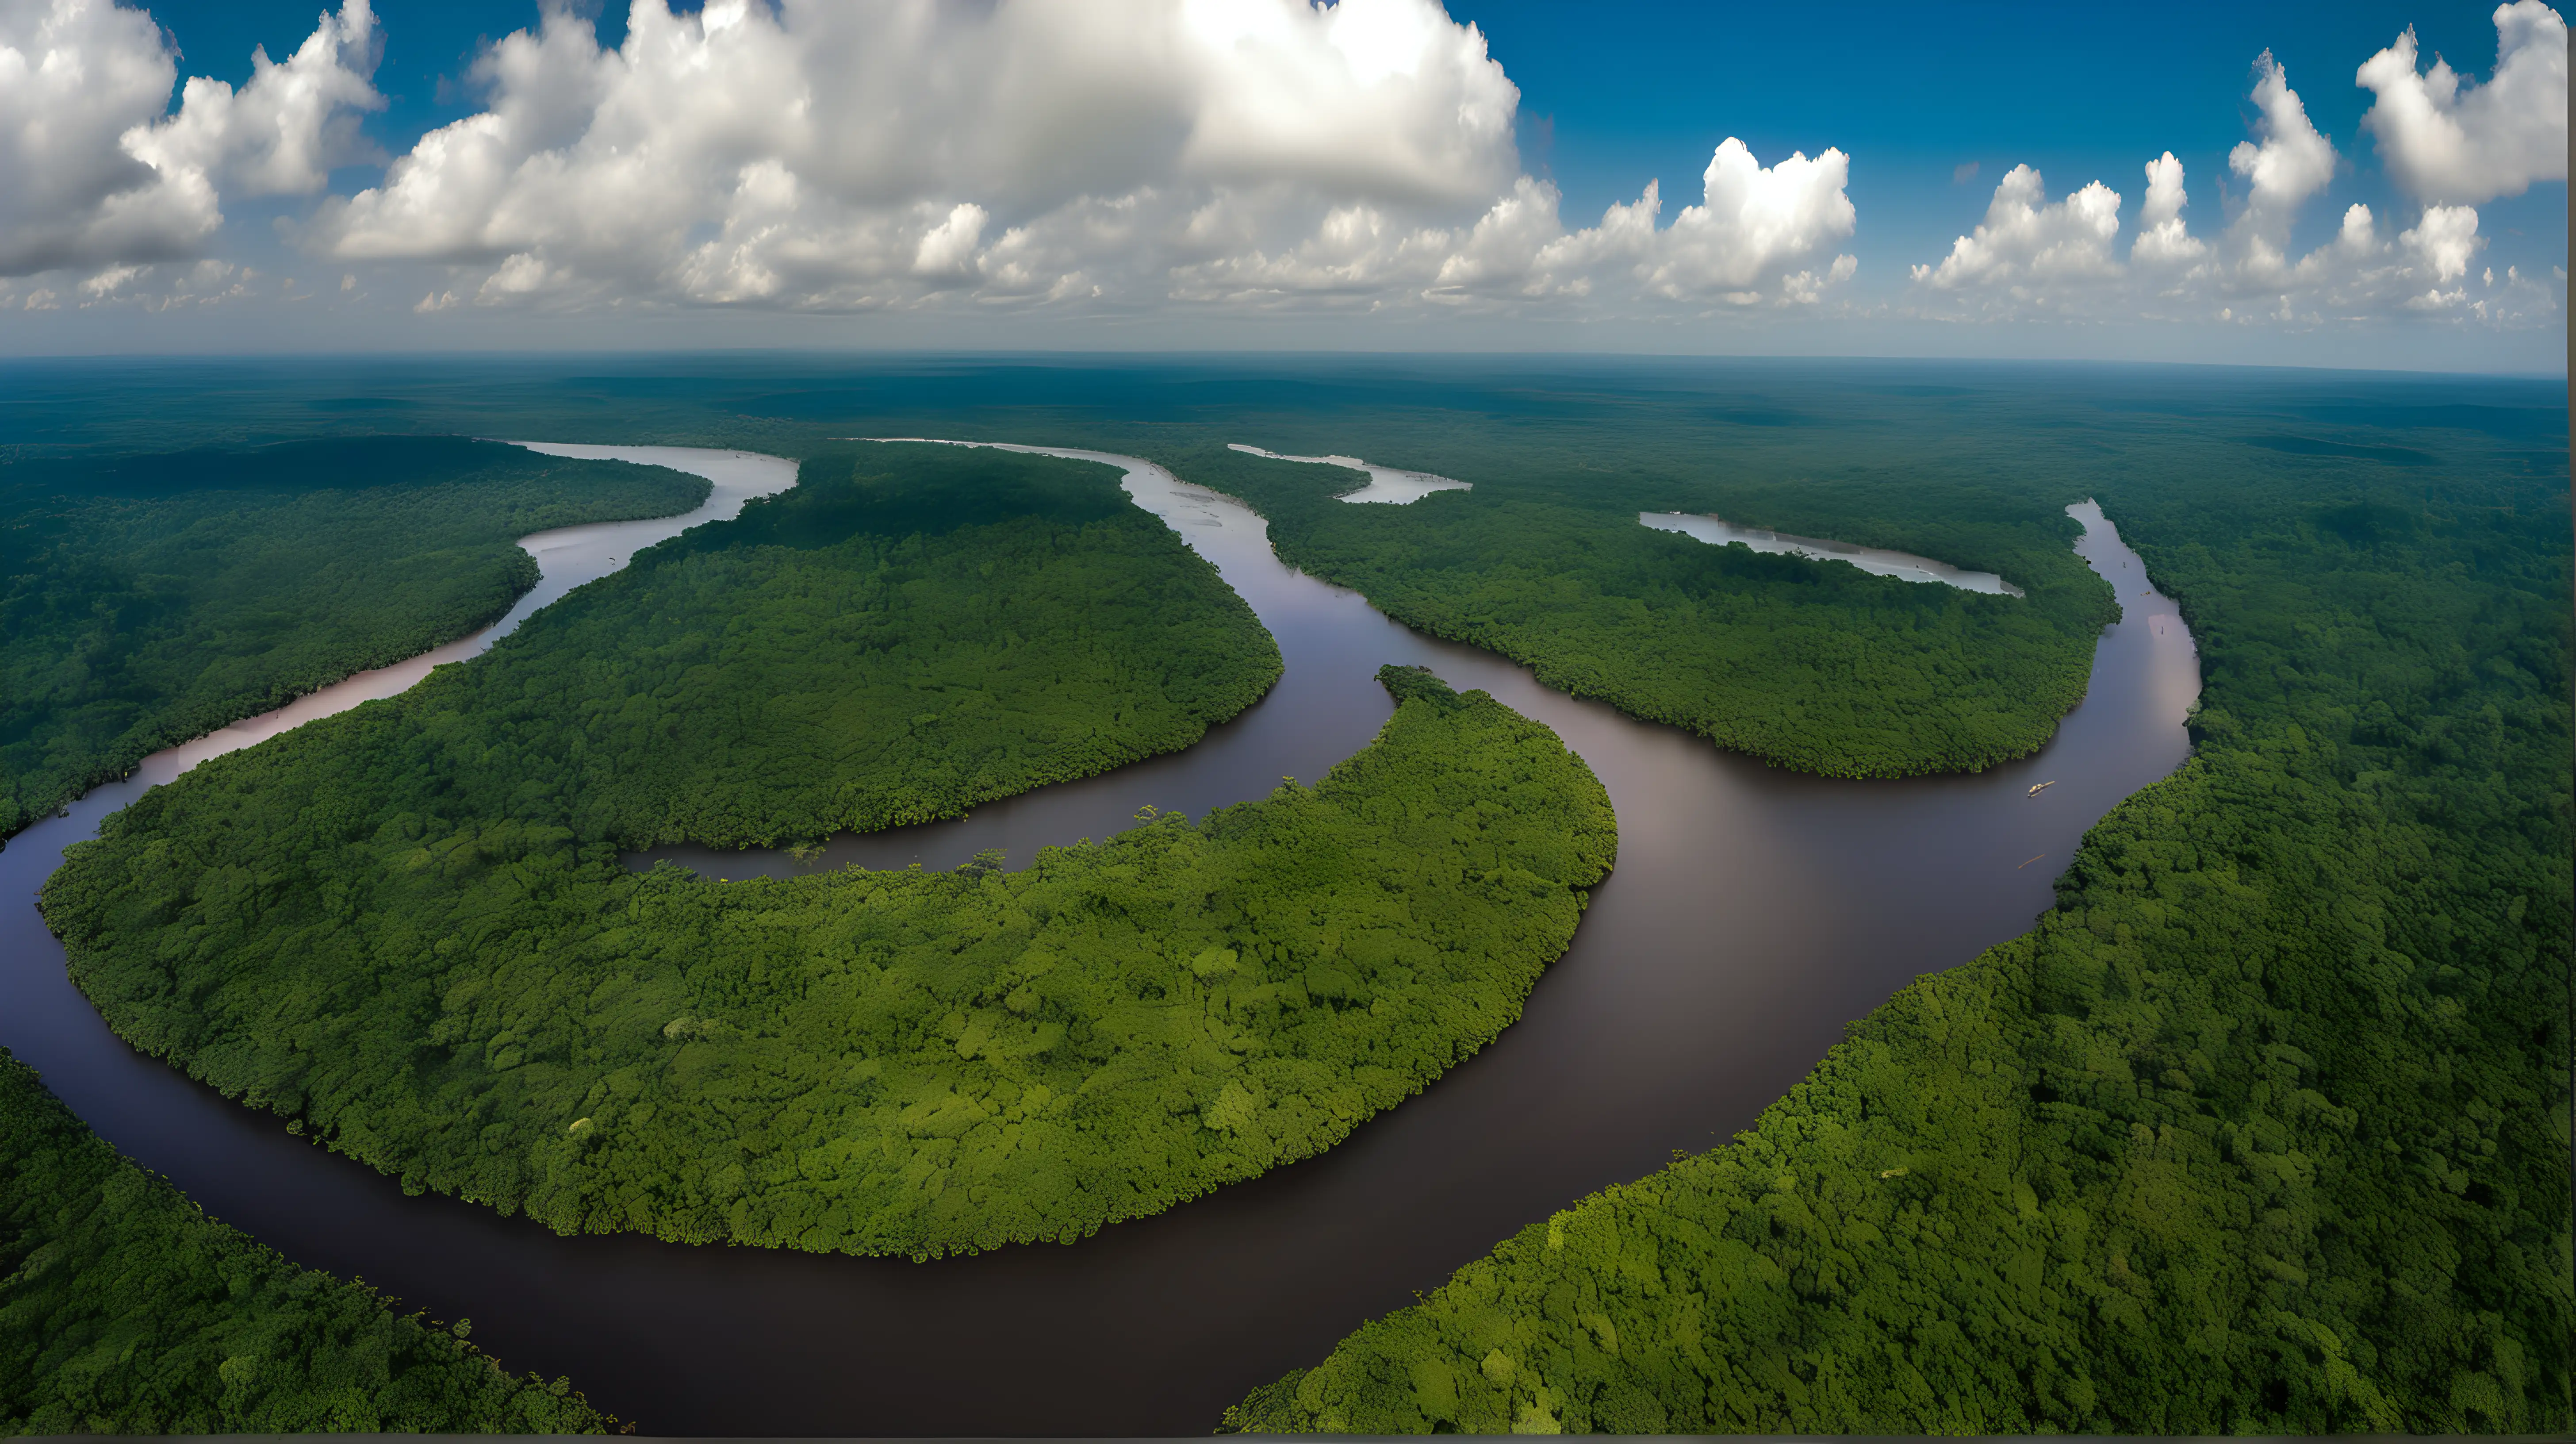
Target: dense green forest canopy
(407,925)
(145,600)
(910,631)
(2262,1130)
(1807,664)
(1812,665)
(124,1309)
(2254,1132)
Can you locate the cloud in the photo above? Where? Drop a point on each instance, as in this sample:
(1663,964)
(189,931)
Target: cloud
(2451,141)
(1117,154)
(2163,242)
(838,155)
(96,173)
(2029,247)
(2288,161)
(2286,164)
(2030,257)
(1760,235)
(290,126)
(1752,223)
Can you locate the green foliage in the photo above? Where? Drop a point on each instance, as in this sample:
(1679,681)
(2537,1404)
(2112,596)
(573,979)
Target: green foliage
(407,926)
(2262,1129)
(910,631)
(1815,666)
(148,600)
(124,1309)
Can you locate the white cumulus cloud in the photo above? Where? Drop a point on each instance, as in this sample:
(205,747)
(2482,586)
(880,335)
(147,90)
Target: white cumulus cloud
(2028,245)
(1759,234)
(2289,160)
(97,173)
(1120,152)
(827,154)
(1753,222)
(2450,140)
(2164,242)
(2031,256)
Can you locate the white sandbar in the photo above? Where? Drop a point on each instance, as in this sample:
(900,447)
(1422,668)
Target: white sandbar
(1904,566)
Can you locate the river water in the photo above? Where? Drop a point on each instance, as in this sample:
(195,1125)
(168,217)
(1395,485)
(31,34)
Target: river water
(1392,484)
(1877,561)
(1753,912)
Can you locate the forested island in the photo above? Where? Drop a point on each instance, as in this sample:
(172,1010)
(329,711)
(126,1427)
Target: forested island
(124,1309)
(2260,1130)
(406,928)
(1822,668)
(147,600)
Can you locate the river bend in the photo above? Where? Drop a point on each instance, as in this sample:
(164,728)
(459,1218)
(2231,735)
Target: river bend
(1753,912)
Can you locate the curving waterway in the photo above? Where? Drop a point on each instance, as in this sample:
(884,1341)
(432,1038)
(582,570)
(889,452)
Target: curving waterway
(1753,912)
(1392,484)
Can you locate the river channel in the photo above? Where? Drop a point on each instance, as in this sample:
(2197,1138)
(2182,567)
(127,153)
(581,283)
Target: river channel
(1753,912)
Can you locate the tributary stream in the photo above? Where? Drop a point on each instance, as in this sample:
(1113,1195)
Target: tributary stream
(1753,913)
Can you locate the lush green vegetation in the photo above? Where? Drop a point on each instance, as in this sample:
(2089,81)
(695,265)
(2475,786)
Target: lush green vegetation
(910,631)
(147,600)
(1816,666)
(2262,1130)
(2254,1132)
(408,928)
(124,1309)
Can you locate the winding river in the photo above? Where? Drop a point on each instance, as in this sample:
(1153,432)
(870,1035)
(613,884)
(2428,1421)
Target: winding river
(1753,912)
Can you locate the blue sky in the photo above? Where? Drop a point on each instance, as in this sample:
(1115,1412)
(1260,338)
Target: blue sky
(1913,91)
(1611,96)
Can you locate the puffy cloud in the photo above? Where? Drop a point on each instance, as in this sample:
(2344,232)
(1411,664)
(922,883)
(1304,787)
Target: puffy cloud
(1759,234)
(94,171)
(2032,257)
(1752,222)
(2443,241)
(1123,153)
(2447,140)
(2163,241)
(76,76)
(846,155)
(2028,246)
(283,132)
(2288,161)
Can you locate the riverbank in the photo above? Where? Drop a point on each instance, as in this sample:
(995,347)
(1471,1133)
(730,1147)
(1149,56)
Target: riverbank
(1754,913)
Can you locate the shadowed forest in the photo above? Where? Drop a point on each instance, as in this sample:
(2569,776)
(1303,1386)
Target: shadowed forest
(126,1310)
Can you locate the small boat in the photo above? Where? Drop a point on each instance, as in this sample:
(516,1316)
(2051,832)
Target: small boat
(2038,788)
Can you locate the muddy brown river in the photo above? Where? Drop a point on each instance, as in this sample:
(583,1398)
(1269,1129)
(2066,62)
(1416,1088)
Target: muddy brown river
(1753,912)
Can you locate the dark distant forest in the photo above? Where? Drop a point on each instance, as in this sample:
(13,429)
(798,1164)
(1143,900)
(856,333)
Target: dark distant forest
(407,928)
(124,1309)
(146,600)
(2262,1129)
